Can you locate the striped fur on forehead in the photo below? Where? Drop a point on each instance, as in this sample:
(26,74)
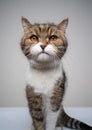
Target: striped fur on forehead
(44,29)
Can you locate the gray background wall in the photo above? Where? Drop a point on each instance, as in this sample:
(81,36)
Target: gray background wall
(77,61)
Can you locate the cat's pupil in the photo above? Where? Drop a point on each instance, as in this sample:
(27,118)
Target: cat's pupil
(34,37)
(53,37)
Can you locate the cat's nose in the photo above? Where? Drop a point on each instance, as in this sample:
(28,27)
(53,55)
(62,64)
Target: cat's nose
(43,46)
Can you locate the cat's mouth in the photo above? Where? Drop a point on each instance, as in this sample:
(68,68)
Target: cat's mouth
(43,52)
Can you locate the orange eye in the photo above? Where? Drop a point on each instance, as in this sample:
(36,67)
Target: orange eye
(34,38)
(53,38)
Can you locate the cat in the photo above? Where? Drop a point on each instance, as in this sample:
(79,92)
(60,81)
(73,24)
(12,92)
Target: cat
(44,45)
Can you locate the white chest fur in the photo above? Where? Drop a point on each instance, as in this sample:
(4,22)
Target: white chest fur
(43,81)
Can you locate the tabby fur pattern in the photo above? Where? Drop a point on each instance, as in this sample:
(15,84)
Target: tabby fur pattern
(44,45)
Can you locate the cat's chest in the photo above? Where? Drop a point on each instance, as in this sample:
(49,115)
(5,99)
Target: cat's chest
(43,81)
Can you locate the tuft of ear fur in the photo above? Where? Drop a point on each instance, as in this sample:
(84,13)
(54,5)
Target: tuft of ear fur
(25,23)
(63,25)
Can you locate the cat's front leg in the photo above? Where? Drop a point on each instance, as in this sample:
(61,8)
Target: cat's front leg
(55,105)
(57,95)
(51,119)
(36,108)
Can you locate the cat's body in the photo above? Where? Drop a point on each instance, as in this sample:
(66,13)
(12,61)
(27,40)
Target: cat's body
(45,83)
(44,45)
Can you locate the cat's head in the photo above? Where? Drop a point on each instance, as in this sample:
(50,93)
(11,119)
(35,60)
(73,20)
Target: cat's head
(44,44)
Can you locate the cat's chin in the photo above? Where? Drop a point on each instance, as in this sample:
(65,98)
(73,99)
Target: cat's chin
(43,57)
(44,61)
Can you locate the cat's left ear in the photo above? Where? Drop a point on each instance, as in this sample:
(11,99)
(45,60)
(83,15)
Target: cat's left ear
(63,25)
(25,23)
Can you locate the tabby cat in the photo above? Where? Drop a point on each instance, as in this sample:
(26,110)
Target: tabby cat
(44,45)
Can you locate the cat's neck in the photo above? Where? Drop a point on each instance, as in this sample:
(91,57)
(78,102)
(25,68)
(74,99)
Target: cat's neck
(44,66)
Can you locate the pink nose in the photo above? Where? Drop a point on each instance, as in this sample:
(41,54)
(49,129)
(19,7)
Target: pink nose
(43,46)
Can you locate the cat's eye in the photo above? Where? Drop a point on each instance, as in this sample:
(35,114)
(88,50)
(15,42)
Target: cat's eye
(34,38)
(53,38)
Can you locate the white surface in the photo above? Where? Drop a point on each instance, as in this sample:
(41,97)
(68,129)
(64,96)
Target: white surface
(19,118)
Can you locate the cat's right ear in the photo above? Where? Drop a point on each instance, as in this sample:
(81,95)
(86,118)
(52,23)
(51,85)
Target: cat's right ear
(26,24)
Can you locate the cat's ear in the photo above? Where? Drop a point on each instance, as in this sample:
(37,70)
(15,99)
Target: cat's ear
(25,23)
(63,25)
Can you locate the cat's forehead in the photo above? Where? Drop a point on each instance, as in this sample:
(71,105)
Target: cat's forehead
(44,28)
(44,25)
